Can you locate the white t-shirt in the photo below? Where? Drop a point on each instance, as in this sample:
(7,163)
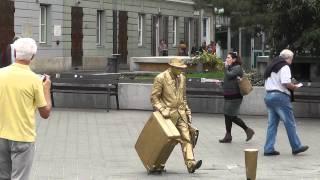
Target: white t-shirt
(278,80)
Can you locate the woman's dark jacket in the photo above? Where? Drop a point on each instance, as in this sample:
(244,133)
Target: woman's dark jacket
(230,86)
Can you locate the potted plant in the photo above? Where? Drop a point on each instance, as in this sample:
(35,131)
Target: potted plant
(208,62)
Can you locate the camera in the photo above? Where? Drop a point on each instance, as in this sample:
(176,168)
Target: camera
(42,77)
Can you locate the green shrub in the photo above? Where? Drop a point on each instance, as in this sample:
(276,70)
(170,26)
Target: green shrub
(209,60)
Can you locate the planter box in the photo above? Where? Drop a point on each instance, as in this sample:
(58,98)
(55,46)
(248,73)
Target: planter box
(208,68)
(200,68)
(154,63)
(195,68)
(208,100)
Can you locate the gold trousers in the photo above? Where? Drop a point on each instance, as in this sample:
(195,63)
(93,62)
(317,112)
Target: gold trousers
(186,146)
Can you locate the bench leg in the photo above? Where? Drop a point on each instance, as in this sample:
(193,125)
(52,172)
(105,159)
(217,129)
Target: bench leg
(52,99)
(108,102)
(117,99)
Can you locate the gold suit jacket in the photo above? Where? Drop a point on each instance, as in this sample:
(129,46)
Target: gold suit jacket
(165,94)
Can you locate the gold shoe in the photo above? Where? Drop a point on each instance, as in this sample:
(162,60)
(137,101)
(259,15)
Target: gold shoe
(193,166)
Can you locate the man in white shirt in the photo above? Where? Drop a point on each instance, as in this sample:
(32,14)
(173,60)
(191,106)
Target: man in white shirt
(278,101)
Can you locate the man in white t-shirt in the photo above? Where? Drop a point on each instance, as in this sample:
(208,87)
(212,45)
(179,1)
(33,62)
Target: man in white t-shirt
(278,101)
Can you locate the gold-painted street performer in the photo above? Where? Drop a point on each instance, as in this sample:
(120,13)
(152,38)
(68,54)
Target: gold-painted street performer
(169,98)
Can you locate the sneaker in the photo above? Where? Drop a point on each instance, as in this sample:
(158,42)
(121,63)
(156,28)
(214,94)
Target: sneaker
(273,153)
(195,166)
(302,149)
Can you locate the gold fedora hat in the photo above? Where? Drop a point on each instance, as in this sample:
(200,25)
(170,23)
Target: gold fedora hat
(176,62)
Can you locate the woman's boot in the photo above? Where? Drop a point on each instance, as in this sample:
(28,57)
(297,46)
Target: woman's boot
(227,138)
(249,133)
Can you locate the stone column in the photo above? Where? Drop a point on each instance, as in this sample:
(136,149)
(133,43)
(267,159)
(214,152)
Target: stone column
(229,39)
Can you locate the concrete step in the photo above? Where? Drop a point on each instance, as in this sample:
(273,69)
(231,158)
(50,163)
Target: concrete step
(124,68)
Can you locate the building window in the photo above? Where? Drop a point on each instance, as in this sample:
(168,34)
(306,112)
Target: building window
(43,24)
(206,29)
(140,29)
(99,27)
(174,31)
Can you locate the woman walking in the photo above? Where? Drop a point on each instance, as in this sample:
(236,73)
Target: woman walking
(232,97)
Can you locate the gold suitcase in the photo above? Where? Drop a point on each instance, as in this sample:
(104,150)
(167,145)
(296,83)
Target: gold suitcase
(156,142)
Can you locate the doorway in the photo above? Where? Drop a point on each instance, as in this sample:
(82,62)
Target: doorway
(123,37)
(6,30)
(154,35)
(76,36)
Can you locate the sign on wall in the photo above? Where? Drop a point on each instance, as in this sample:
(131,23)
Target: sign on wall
(27,30)
(57,30)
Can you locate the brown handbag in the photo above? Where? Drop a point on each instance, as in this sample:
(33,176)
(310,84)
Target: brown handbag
(244,86)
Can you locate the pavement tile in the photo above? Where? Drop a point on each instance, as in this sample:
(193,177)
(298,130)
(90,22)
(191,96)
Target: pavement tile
(92,144)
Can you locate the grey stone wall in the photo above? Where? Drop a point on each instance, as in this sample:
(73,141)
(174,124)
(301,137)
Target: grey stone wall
(27,14)
(149,8)
(50,54)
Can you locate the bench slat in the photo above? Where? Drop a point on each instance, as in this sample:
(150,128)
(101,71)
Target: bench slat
(77,85)
(83,92)
(84,81)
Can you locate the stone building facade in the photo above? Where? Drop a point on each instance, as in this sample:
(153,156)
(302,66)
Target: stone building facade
(82,34)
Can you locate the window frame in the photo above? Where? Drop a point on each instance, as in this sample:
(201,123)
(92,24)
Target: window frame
(140,29)
(99,27)
(43,38)
(174,31)
(204,26)
(206,22)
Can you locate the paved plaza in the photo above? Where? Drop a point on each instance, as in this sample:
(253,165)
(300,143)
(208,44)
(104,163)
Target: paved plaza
(92,144)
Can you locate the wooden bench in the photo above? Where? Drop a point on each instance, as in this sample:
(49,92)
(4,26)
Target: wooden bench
(309,92)
(75,83)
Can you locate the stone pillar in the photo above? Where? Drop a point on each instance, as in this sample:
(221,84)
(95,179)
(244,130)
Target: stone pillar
(201,26)
(229,39)
(214,28)
(240,41)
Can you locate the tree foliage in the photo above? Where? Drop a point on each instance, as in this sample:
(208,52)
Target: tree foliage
(293,24)
(296,25)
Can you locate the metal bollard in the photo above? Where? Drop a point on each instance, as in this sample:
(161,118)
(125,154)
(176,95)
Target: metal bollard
(251,156)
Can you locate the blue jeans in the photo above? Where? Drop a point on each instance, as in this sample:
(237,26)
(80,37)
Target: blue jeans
(279,107)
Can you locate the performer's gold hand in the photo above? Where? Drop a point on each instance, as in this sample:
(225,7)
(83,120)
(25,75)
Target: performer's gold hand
(190,118)
(165,113)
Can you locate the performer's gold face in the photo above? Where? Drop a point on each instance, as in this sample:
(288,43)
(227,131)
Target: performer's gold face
(177,71)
